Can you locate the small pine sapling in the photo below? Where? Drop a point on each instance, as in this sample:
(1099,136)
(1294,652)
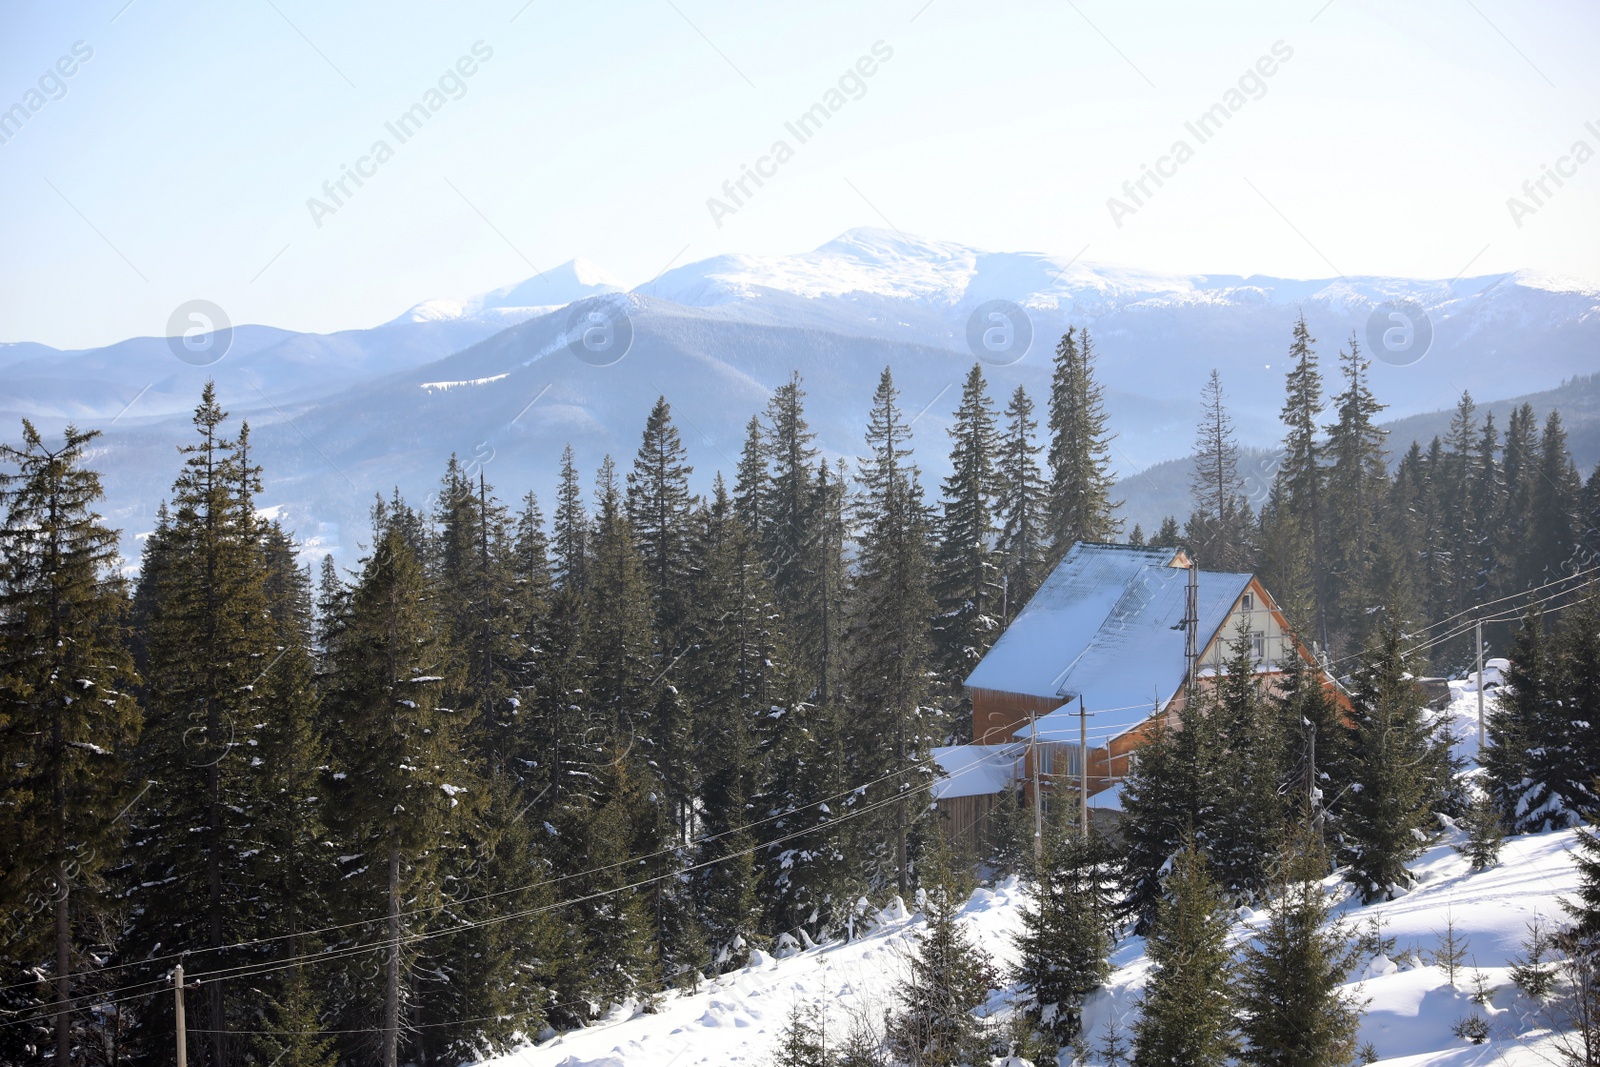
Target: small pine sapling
(1529,972)
(1473,1028)
(1482,991)
(1450,950)
(1113,1047)
(1370,940)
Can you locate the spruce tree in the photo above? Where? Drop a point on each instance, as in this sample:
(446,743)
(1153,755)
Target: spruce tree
(1568,753)
(949,976)
(652,726)
(1298,534)
(891,723)
(1585,907)
(570,541)
(1080,507)
(750,480)
(1187,1016)
(1513,523)
(1552,507)
(405,793)
(1386,810)
(1065,942)
(476,590)
(1020,508)
(1314,738)
(738,685)
(1219,529)
(785,496)
(1514,721)
(817,621)
(1249,810)
(210,639)
(291,853)
(1293,1011)
(660,508)
(1171,795)
(965,574)
(67,722)
(1357,484)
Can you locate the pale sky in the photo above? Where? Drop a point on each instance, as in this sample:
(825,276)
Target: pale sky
(176,161)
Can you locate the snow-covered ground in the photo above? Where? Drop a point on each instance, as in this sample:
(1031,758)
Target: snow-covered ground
(1410,1005)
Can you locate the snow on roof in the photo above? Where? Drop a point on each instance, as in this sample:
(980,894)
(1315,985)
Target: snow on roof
(1103,626)
(974,770)
(1071,605)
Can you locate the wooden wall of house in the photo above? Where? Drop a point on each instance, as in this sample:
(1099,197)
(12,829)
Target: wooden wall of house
(970,824)
(996,714)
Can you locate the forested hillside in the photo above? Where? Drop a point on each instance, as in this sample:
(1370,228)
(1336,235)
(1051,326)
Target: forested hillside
(527,759)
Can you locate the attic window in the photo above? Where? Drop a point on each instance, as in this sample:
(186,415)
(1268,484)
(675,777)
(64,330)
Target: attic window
(1248,602)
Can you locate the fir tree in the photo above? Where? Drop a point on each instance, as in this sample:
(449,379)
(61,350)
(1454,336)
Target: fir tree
(1298,534)
(406,791)
(1514,719)
(210,638)
(1020,508)
(965,575)
(1552,507)
(892,725)
(949,976)
(1386,809)
(1219,527)
(1314,737)
(1292,1008)
(1171,795)
(737,668)
(1585,907)
(785,496)
(1243,842)
(1484,833)
(1356,486)
(1187,1016)
(1567,754)
(475,596)
(291,862)
(570,548)
(1080,507)
(1065,942)
(659,509)
(1513,524)
(67,721)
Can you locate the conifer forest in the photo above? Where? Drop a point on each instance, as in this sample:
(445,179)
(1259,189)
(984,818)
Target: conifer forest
(525,760)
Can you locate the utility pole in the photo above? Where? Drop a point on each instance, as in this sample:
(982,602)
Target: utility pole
(1083,770)
(177,1007)
(1311,767)
(1482,729)
(1191,631)
(1038,812)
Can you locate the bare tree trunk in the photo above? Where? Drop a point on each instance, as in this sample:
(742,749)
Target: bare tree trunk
(391,991)
(63,966)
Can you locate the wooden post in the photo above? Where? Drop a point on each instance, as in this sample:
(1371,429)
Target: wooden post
(1482,729)
(1083,769)
(1038,812)
(177,1007)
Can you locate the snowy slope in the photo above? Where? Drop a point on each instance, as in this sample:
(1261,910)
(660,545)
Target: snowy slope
(1410,1006)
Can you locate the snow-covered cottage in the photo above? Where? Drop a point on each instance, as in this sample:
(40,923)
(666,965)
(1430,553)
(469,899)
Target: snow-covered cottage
(1105,631)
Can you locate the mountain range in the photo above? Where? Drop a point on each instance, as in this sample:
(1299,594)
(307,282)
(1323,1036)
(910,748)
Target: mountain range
(505,380)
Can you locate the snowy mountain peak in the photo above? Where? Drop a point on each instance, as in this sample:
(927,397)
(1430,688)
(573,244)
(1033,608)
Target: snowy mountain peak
(552,288)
